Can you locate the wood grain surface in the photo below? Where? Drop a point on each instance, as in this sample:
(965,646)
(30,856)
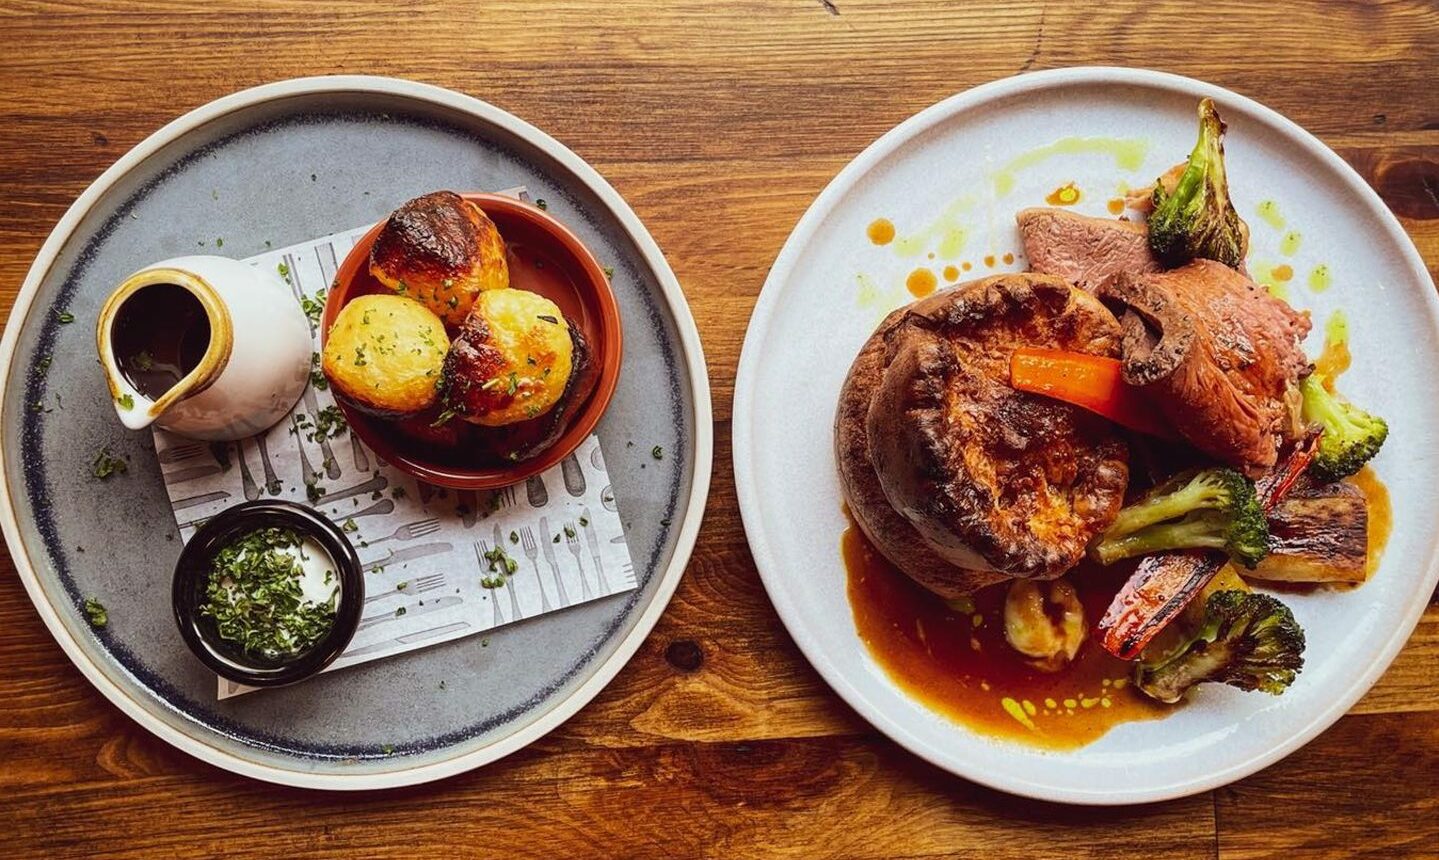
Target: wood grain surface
(720,122)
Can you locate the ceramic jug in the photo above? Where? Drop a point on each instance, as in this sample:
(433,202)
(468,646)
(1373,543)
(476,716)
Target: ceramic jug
(207,347)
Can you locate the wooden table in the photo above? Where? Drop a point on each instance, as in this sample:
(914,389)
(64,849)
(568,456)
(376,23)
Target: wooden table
(719,122)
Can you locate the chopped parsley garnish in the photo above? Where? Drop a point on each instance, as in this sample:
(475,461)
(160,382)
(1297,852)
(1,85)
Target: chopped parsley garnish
(399,612)
(360,356)
(500,566)
(514,537)
(329,423)
(609,272)
(350,525)
(65,316)
(569,531)
(142,360)
(219,243)
(313,307)
(444,416)
(105,464)
(514,383)
(397,493)
(314,492)
(549,319)
(402,585)
(125,401)
(657,452)
(540,202)
(95,613)
(284,271)
(584,521)
(317,375)
(253,594)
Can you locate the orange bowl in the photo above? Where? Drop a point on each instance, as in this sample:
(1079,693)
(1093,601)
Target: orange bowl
(544,257)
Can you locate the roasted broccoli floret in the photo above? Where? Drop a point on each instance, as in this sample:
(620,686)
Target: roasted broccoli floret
(1351,436)
(1210,509)
(1197,218)
(1246,640)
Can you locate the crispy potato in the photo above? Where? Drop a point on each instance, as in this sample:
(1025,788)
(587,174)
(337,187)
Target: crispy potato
(442,251)
(384,354)
(511,359)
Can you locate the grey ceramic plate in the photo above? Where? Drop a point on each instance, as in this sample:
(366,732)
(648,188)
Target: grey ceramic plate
(283,163)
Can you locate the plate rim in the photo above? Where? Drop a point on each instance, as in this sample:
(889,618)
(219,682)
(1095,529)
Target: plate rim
(689,341)
(743,411)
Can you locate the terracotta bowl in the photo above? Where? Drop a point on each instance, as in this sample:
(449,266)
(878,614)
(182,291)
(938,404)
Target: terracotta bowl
(544,257)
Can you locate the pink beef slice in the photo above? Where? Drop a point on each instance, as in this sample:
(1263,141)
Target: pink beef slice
(1218,355)
(1084,250)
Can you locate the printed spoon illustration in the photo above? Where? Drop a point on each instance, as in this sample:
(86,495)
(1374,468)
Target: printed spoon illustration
(594,541)
(574,475)
(272,483)
(373,485)
(384,506)
(307,472)
(358,450)
(252,489)
(535,489)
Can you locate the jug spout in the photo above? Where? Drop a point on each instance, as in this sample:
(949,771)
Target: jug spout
(162,336)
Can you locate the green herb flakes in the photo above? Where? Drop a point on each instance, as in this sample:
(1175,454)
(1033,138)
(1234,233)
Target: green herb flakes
(254,597)
(95,613)
(657,452)
(514,537)
(105,464)
(65,316)
(317,374)
(350,525)
(125,401)
(540,202)
(143,360)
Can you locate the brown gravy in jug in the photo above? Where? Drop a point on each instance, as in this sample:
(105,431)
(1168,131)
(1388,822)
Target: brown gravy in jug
(161,333)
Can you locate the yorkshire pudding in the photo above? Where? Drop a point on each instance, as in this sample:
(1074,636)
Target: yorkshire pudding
(957,478)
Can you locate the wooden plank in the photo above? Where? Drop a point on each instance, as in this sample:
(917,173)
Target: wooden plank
(836,797)
(1365,788)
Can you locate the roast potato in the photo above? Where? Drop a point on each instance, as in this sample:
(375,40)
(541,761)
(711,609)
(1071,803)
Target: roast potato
(384,354)
(977,481)
(511,360)
(442,251)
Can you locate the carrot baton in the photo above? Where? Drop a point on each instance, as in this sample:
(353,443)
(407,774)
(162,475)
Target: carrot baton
(1164,584)
(1091,382)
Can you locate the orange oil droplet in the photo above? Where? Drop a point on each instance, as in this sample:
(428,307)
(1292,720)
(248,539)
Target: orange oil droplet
(881,231)
(921,282)
(1065,195)
(967,265)
(951,273)
(1282,272)
(1116,206)
(1008,258)
(989,260)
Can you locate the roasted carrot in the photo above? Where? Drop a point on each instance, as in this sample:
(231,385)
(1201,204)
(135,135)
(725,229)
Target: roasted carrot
(1164,584)
(1091,382)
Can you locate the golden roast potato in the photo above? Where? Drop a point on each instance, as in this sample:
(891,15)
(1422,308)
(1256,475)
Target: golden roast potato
(385,354)
(442,251)
(510,361)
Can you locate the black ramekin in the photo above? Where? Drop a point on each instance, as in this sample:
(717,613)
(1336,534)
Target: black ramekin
(192,574)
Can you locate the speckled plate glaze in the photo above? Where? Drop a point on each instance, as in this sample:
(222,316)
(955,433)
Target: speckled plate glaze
(920,173)
(268,166)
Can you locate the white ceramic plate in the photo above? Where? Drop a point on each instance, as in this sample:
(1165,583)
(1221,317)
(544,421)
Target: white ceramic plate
(945,160)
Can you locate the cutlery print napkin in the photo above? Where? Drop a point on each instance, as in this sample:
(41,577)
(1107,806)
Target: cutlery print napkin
(423,547)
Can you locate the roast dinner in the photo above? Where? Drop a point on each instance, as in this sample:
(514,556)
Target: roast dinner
(1085,472)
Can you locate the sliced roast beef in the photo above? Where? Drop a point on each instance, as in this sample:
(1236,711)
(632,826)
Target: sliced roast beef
(1219,354)
(1084,250)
